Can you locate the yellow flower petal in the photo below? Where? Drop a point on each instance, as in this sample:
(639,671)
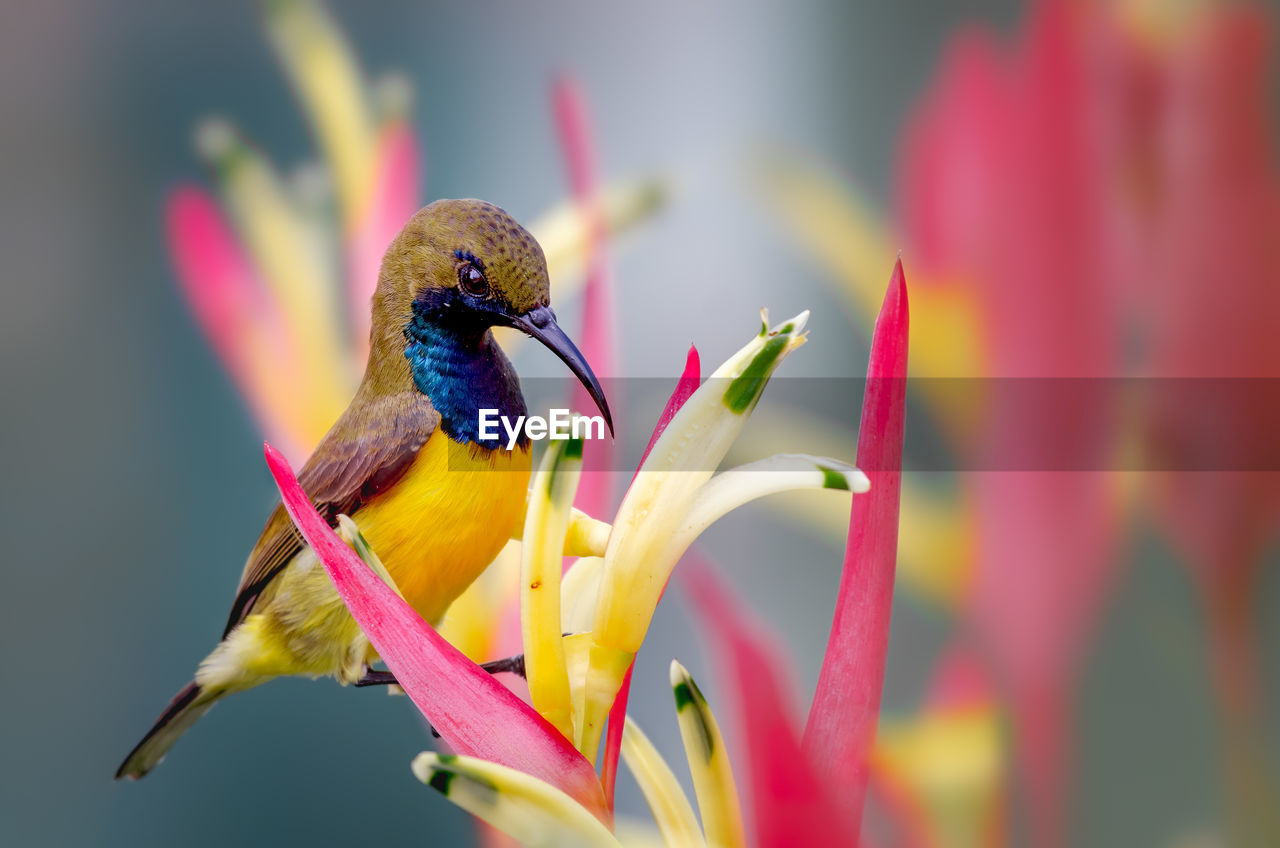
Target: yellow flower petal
(671,809)
(645,543)
(527,809)
(551,494)
(587,536)
(731,489)
(577,655)
(578,593)
(708,763)
(639,557)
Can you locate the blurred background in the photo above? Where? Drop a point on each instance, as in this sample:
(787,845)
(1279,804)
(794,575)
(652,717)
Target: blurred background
(1078,190)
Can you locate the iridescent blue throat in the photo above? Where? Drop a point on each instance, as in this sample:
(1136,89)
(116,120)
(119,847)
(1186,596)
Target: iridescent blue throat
(462,370)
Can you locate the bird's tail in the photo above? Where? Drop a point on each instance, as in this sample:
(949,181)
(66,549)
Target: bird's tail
(185,710)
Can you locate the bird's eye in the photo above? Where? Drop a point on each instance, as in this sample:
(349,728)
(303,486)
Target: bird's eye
(472,280)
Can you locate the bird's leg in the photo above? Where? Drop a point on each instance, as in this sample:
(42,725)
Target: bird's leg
(513,665)
(376,678)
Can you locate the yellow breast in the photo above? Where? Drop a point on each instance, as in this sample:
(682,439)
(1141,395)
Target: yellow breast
(446,519)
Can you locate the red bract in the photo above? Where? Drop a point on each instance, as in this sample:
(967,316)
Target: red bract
(846,705)
(472,711)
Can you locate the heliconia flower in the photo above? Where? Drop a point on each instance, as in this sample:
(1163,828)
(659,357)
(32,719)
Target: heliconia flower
(811,788)
(537,813)
(522,768)
(708,762)
(674,498)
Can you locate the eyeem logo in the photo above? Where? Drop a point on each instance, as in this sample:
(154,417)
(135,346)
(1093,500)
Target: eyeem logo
(562,424)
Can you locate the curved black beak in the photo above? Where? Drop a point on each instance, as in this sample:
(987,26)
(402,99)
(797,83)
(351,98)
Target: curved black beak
(540,323)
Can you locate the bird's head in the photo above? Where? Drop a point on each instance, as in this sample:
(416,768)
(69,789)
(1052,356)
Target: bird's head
(460,267)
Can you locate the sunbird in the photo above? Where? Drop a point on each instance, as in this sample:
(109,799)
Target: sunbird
(406,460)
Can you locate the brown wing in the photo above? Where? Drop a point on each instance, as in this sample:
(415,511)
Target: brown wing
(372,444)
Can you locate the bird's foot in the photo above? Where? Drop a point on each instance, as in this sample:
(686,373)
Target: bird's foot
(512,665)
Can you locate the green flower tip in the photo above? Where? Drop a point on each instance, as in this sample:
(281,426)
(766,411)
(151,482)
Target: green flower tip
(832,479)
(560,452)
(689,697)
(745,389)
(837,475)
(445,774)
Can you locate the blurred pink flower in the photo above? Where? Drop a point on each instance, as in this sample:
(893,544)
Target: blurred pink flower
(1001,190)
(1213,265)
(1097,177)
(1212,241)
